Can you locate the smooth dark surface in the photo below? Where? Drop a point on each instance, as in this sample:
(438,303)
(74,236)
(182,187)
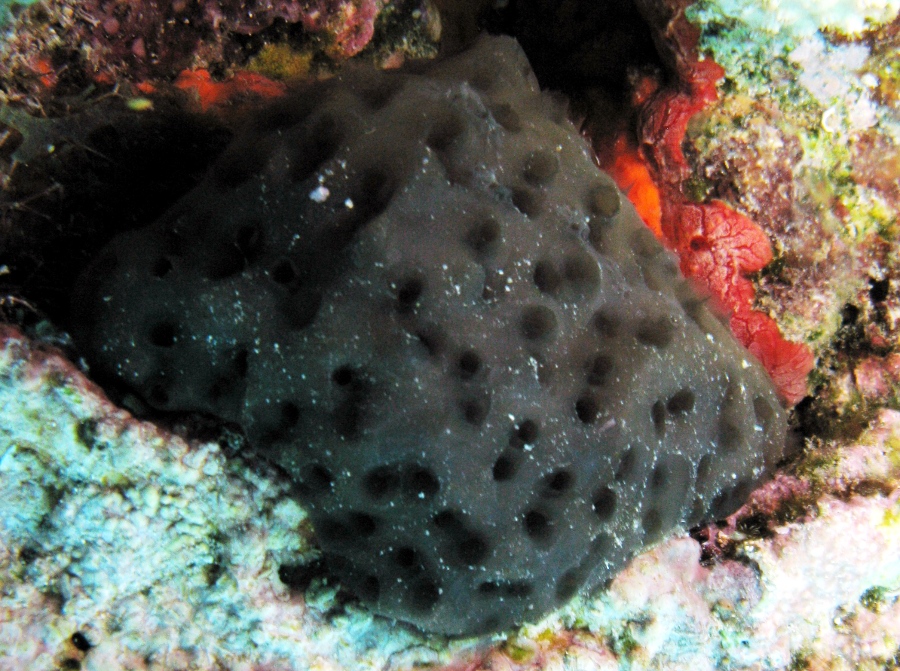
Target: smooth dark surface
(418,295)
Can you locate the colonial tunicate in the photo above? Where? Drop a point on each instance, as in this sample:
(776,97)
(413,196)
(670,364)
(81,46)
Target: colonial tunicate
(417,294)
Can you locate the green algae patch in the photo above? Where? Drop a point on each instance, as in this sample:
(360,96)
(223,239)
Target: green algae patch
(8,7)
(822,128)
(874,598)
(517,651)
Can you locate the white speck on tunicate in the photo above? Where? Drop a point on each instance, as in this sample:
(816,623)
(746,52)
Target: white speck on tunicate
(745,364)
(610,423)
(319,194)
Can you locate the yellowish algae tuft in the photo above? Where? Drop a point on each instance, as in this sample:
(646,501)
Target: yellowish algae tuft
(281,61)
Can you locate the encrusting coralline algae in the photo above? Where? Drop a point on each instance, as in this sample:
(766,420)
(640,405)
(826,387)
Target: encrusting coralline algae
(419,297)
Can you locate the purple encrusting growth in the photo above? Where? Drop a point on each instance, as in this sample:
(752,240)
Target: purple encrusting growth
(419,297)
(149,37)
(351,21)
(155,38)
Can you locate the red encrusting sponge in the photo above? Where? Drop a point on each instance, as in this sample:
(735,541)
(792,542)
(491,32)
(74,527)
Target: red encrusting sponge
(716,245)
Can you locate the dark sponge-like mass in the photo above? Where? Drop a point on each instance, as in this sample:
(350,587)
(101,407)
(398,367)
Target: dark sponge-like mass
(418,295)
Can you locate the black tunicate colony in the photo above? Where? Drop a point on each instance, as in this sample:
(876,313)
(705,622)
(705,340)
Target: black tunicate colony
(419,297)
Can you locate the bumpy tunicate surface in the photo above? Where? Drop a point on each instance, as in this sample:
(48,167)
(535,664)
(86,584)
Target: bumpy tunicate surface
(417,295)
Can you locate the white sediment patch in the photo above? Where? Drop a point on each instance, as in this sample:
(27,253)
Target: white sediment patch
(806,17)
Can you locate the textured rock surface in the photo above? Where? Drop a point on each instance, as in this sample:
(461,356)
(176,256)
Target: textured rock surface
(418,296)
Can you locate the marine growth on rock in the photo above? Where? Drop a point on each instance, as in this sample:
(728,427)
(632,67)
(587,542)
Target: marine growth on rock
(417,295)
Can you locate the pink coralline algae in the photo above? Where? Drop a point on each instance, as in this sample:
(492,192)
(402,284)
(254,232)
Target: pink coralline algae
(875,376)
(149,37)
